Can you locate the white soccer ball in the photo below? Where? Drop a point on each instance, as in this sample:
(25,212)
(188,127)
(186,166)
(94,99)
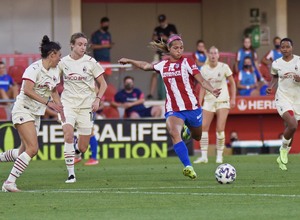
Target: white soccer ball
(225,173)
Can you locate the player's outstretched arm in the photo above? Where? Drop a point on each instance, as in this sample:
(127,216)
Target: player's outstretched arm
(139,64)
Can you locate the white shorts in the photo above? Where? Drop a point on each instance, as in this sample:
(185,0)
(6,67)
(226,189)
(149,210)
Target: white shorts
(284,106)
(213,106)
(20,116)
(80,118)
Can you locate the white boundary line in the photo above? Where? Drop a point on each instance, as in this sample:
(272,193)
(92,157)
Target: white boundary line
(137,190)
(164,193)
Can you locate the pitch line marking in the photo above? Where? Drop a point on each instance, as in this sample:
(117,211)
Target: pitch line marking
(167,193)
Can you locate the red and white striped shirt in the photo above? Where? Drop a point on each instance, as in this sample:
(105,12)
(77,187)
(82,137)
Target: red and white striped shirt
(179,83)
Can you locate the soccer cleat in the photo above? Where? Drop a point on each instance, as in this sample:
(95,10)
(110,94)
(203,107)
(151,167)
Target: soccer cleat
(71,179)
(78,157)
(281,165)
(219,160)
(284,155)
(186,135)
(201,160)
(189,171)
(10,187)
(91,162)
(77,160)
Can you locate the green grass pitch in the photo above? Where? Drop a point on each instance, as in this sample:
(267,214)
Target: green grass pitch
(155,189)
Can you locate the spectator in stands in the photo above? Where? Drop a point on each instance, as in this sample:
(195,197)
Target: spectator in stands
(101,41)
(131,100)
(201,54)
(265,65)
(247,51)
(286,81)
(247,80)
(273,54)
(37,92)
(182,104)
(217,74)
(79,98)
(8,88)
(161,32)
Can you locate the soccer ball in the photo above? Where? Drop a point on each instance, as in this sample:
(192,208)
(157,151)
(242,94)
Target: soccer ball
(225,173)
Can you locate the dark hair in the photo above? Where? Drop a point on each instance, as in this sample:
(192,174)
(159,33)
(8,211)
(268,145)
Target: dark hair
(76,36)
(104,19)
(162,18)
(287,39)
(48,46)
(247,57)
(199,41)
(2,63)
(128,77)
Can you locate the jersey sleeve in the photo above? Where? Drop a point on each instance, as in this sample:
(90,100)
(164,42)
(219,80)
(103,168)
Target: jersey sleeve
(227,69)
(158,67)
(31,73)
(118,97)
(192,67)
(97,69)
(274,69)
(94,39)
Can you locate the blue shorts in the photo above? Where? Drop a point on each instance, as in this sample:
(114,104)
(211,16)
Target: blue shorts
(191,118)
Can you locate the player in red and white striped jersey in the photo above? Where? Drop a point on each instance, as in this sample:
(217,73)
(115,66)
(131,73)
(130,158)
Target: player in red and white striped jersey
(182,106)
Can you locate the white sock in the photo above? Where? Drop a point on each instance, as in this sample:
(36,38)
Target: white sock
(19,166)
(9,156)
(204,144)
(69,154)
(220,143)
(285,142)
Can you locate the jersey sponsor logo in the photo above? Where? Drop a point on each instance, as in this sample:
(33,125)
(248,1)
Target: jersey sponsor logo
(288,75)
(75,77)
(171,74)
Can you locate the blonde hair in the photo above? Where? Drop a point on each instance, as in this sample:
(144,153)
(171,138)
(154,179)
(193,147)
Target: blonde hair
(159,46)
(163,47)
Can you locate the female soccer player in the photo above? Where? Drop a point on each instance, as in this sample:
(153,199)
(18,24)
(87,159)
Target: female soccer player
(182,104)
(217,74)
(38,87)
(286,77)
(79,97)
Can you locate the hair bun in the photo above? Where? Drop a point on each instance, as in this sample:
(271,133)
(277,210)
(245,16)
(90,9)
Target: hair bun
(45,40)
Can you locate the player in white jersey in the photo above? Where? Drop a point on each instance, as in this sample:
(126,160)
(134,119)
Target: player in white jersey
(79,98)
(38,91)
(182,105)
(286,77)
(217,74)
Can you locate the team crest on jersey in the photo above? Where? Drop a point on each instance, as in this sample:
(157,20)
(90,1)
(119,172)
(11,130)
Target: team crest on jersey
(219,74)
(54,79)
(177,65)
(296,68)
(84,69)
